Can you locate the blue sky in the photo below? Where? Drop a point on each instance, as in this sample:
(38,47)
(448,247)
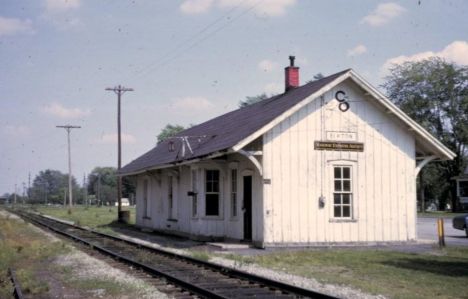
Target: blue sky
(187,62)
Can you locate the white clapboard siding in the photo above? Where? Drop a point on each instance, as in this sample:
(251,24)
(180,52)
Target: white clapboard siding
(224,226)
(285,201)
(383,175)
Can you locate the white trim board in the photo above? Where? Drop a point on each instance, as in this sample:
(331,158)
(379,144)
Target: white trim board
(444,152)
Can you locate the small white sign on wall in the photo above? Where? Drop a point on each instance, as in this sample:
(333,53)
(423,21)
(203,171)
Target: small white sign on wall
(341,136)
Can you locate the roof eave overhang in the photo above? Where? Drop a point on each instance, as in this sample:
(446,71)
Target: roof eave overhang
(441,151)
(178,163)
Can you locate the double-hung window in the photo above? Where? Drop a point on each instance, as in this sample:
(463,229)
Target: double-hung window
(212,193)
(233,192)
(343,193)
(145,198)
(195,193)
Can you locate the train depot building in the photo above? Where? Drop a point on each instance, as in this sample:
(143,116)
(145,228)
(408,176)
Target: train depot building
(330,162)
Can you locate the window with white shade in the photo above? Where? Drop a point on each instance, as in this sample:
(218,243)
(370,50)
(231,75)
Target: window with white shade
(342,192)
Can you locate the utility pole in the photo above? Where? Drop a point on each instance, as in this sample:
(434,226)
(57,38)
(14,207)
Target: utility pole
(85,190)
(119,90)
(44,189)
(29,187)
(99,190)
(24,192)
(15,195)
(68,128)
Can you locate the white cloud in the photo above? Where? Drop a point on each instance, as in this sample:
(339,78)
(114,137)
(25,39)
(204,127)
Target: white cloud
(57,109)
(270,8)
(274,88)
(17,131)
(112,138)
(266,7)
(63,22)
(59,6)
(267,65)
(191,104)
(12,26)
(383,14)
(456,52)
(60,13)
(358,50)
(196,6)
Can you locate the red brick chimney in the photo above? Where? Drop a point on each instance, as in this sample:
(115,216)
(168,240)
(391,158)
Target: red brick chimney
(291,74)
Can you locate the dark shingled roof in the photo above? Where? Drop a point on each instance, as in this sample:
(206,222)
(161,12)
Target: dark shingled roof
(225,131)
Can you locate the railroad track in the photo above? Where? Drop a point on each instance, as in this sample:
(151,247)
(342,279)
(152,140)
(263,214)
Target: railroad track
(17,293)
(179,276)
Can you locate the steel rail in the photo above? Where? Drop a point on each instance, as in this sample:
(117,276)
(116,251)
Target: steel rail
(17,293)
(190,287)
(234,273)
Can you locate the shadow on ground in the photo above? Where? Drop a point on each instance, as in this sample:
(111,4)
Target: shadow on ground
(447,268)
(156,237)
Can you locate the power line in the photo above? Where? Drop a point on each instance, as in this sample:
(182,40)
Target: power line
(177,52)
(68,128)
(193,37)
(119,90)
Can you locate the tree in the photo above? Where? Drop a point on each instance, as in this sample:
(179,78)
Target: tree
(128,188)
(169,131)
(102,182)
(50,186)
(263,96)
(316,77)
(252,100)
(435,94)
(102,185)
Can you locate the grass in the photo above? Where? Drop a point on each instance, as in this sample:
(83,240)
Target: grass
(200,255)
(33,257)
(100,218)
(24,250)
(438,214)
(441,274)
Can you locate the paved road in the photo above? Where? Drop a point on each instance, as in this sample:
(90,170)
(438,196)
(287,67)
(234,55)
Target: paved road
(427,229)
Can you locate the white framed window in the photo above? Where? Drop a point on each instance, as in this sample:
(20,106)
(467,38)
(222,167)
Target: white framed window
(170,196)
(195,193)
(233,193)
(145,198)
(212,194)
(342,191)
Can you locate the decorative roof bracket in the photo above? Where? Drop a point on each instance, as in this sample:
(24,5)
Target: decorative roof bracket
(253,159)
(423,163)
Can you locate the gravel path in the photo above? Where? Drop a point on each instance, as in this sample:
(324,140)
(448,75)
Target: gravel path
(86,267)
(307,283)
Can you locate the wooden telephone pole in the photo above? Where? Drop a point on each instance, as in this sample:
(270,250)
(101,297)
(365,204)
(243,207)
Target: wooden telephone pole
(68,128)
(119,90)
